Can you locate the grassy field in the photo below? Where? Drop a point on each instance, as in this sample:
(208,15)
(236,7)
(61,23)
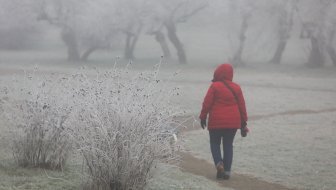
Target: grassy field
(292,119)
(292,111)
(14,177)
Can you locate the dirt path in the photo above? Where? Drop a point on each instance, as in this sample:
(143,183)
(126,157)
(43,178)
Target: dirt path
(200,167)
(203,168)
(291,113)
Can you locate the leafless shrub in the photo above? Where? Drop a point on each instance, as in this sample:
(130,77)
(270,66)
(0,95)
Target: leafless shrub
(123,125)
(36,110)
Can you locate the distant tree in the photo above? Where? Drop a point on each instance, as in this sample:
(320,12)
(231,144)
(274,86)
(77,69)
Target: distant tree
(330,45)
(240,13)
(330,32)
(134,13)
(245,15)
(236,16)
(87,25)
(100,25)
(170,13)
(284,11)
(318,26)
(61,14)
(155,29)
(132,33)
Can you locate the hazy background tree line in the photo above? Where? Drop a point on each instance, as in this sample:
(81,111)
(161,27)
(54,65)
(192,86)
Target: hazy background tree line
(87,26)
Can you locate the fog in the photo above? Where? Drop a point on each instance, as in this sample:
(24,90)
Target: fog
(284,58)
(184,32)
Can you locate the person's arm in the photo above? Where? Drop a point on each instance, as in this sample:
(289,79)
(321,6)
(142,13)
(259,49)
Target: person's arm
(241,104)
(207,103)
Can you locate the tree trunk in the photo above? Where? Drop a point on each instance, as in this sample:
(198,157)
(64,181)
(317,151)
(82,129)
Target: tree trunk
(237,58)
(129,52)
(70,40)
(87,53)
(171,30)
(160,38)
(277,57)
(131,41)
(330,48)
(316,58)
(285,24)
(332,54)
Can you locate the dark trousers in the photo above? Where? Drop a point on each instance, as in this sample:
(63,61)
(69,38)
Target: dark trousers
(226,136)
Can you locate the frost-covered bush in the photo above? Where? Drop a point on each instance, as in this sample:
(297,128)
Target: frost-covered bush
(36,108)
(123,124)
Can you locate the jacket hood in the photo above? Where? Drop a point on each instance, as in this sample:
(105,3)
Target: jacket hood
(223,72)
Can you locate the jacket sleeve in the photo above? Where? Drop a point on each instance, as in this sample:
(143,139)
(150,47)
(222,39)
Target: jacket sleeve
(207,103)
(241,104)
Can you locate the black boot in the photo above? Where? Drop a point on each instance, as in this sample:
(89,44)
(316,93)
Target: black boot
(226,175)
(220,170)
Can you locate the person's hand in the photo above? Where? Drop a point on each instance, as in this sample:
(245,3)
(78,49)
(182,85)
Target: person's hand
(243,124)
(244,130)
(203,123)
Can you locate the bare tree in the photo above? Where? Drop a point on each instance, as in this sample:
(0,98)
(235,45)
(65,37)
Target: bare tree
(315,17)
(60,13)
(245,11)
(156,31)
(132,35)
(285,21)
(330,46)
(100,25)
(330,32)
(84,24)
(236,15)
(171,13)
(134,12)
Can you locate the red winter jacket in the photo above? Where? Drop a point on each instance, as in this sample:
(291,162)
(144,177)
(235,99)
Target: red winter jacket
(220,103)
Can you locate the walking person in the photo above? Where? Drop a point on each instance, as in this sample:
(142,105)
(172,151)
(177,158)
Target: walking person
(225,105)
